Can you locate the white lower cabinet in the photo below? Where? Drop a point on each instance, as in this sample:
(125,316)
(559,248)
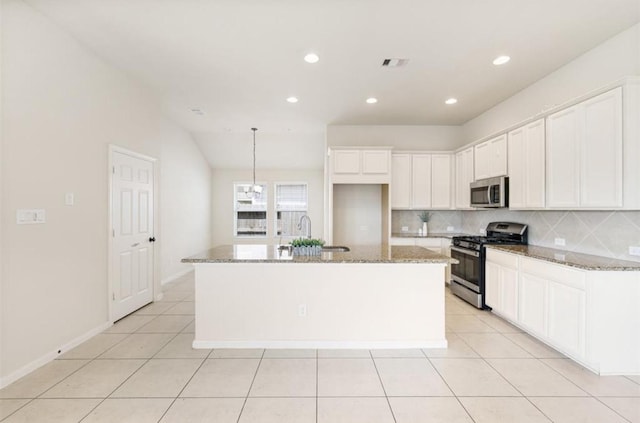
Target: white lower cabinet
(566,310)
(501,284)
(590,316)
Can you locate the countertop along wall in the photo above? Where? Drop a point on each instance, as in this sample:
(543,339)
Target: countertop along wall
(62,107)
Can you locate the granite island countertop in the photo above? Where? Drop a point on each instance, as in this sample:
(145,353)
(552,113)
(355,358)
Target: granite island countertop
(257,253)
(568,258)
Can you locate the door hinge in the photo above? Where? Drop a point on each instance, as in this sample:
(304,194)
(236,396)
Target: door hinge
(113,296)
(113,233)
(113,170)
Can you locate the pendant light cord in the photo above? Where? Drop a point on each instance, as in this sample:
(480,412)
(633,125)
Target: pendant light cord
(254,156)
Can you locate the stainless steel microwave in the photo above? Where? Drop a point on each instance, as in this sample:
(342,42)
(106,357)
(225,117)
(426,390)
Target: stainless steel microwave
(490,192)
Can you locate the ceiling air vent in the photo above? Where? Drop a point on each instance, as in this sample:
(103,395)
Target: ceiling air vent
(394,63)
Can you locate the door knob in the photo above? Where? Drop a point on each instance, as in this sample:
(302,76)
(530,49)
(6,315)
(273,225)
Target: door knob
(152,239)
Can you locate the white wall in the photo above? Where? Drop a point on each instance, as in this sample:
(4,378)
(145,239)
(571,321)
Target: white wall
(185,203)
(62,107)
(222,199)
(418,137)
(616,58)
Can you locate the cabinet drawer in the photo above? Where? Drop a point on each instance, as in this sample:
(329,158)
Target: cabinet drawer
(561,274)
(503,259)
(429,242)
(402,241)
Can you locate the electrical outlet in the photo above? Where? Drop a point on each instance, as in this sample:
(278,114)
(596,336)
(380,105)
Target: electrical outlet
(482,231)
(450,229)
(302,310)
(405,229)
(560,242)
(634,251)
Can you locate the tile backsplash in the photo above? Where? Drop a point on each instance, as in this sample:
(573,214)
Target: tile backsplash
(438,223)
(602,233)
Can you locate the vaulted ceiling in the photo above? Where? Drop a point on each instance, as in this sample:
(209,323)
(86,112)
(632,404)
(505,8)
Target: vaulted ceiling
(238,61)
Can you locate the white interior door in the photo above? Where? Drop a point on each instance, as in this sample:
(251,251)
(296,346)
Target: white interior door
(132,232)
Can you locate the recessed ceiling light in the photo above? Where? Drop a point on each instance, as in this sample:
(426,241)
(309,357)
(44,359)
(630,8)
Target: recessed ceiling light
(451,100)
(501,60)
(292,99)
(311,58)
(372,100)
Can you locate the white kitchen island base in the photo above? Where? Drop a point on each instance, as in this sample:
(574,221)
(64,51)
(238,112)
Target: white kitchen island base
(319,305)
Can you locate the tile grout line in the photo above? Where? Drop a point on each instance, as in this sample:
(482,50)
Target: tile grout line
(446,383)
(204,360)
(128,377)
(375,366)
(251,385)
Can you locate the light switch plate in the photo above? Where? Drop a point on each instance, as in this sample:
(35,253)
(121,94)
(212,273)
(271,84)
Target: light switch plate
(634,251)
(69,199)
(30,216)
(405,229)
(560,242)
(450,229)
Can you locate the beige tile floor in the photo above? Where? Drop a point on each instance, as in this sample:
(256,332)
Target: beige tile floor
(143,369)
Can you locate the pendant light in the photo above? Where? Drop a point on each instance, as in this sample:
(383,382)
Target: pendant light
(256,190)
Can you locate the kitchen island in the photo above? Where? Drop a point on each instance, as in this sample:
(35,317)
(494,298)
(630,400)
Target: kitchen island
(261,296)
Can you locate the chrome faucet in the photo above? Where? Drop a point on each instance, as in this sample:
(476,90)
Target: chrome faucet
(307,219)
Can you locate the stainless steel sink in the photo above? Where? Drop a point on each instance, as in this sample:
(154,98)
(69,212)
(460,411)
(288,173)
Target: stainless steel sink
(335,249)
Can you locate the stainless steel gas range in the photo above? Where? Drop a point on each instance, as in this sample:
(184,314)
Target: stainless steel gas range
(468,276)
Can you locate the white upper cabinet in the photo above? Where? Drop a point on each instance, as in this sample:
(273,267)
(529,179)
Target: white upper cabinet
(464,177)
(360,165)
(421,181)
(526,153)
(401,181)
(584,154)
(491,158)
(441,181)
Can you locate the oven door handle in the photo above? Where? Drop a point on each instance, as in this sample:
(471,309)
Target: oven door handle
(466,252)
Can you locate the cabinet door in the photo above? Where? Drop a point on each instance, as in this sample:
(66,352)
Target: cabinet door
(533,302)
(509,292)
(534,160)
(498,156)
(567,318)
(492,286)
(481,160)
(601,151)
(563,158)
(421,181)
(441,181)
(464,177)
(401,181)
(346,161)
(375,161)
(517,168)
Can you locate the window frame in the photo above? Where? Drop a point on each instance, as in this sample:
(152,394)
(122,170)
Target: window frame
(265,195)
(276,210)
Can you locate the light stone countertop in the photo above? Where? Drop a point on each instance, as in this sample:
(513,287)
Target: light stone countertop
(358,254)
(568,258)
(448,235)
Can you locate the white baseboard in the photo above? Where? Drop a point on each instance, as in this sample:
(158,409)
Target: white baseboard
(52,355)
(356,345)
(176,275)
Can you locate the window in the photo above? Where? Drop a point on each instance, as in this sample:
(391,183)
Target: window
(250,212)
(291,205)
